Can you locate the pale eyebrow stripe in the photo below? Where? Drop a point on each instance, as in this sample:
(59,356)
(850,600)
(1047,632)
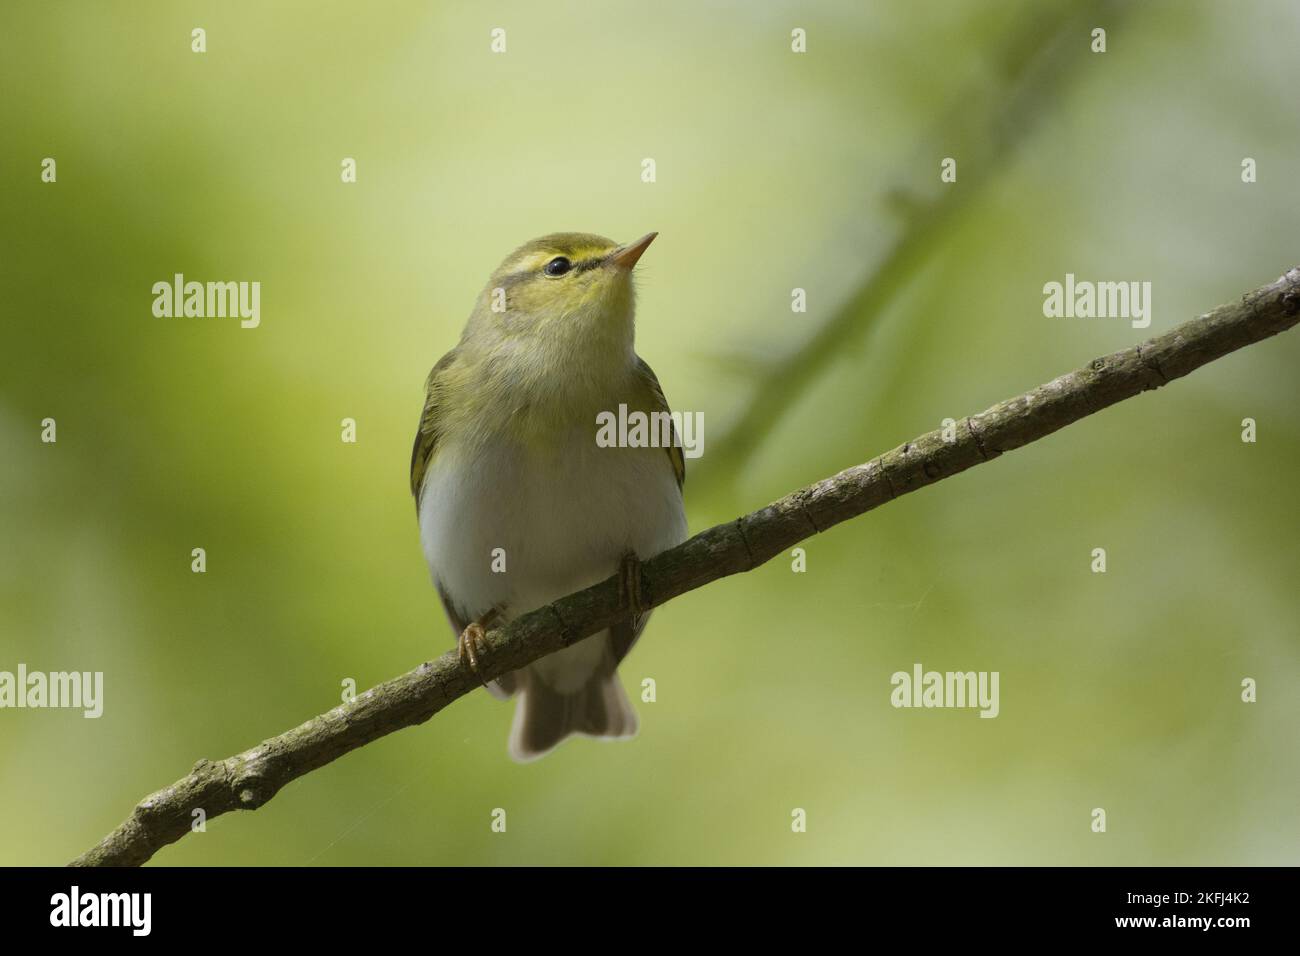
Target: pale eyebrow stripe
(516,277)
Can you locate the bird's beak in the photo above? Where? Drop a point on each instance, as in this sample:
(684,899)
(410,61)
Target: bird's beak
(625,257)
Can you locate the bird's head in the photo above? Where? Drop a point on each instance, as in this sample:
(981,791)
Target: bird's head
(568,295)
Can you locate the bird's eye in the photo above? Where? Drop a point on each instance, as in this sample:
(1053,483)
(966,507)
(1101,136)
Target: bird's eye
(558,266)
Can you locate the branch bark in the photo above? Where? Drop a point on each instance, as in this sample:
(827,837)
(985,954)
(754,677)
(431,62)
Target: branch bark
(248,780)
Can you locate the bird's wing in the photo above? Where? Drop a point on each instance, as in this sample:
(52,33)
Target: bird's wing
(660,403)
(624,634)
(458,623)
(426,436)
(426,440)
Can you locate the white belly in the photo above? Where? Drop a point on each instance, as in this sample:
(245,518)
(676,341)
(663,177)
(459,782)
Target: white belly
(563,516)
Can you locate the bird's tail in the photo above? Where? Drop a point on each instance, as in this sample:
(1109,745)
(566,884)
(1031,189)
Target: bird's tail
(545,716)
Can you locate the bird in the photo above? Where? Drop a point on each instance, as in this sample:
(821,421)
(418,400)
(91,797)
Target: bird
(519,504)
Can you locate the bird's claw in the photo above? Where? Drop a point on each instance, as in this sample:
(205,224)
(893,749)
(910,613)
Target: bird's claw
(470,645)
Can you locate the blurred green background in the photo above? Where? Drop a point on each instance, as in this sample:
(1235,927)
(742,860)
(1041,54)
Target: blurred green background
(775,170)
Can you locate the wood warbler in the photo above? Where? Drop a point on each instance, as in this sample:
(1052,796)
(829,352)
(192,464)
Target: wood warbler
(518,503)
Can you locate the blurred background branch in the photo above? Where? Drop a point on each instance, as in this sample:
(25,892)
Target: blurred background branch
(250,779)
(1042,52)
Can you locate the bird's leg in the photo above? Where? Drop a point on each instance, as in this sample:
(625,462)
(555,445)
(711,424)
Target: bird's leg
(470,643)
(629,585)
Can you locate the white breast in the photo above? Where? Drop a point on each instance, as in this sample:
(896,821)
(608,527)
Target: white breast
(563,515)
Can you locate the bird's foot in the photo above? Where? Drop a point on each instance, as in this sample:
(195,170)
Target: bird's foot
(470,646)
(629,586)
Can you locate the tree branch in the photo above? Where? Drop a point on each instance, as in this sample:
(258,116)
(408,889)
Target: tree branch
(248,780)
